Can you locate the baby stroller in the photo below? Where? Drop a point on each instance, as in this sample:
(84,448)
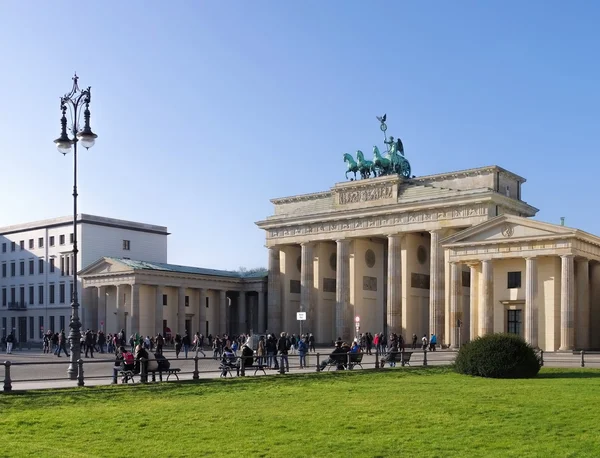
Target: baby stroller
(228,364)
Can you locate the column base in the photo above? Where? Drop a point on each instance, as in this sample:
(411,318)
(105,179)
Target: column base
(566,350)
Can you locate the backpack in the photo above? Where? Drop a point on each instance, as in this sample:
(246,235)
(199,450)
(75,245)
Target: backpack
(163,363)
(128,358)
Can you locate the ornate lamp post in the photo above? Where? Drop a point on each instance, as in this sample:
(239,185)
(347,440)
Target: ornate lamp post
(75,102)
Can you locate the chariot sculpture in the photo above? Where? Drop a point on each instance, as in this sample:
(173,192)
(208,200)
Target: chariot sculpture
(392,162)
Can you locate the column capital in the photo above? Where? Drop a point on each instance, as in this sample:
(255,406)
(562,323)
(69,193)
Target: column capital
(531,258)
(472,264)
(567,256)
(342,241)
(307,244)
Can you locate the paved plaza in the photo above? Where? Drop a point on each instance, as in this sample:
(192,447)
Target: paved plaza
(32,369)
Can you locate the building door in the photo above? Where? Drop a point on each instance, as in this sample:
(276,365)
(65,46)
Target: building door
(188,326)
(22,329)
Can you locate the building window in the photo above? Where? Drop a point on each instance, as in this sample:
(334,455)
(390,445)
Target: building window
(187,301)
(31,267)
(4,301)
(52,327)
(41,294)
(13,246)
(71,238)
(4,270)
(41,326)
(68,266)
(164,299)
(41,242)
(21,267)
(62,265)
(206,301)
(31,327)
(12,269)
(13,295)
(51,265)
(22,245)
(61,239)
(51,293)
(4,327)
(514,321)
(514,280)
(31,244)
(40,266)
(51,240)
(61,293)
(4,248)
(31,295)
(126,245)
(22,294)
(62,323)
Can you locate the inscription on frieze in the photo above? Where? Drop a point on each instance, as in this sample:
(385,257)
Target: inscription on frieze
(369,283)
(365,195)
(329,285)
(295,286)
(419,280)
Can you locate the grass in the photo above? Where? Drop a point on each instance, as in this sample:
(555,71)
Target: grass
(402,412)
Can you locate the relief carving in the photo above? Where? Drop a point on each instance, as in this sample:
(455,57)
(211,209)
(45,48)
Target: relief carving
(369,283)
(365,195)
(419,281)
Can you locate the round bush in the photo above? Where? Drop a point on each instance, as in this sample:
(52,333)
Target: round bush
(498,356)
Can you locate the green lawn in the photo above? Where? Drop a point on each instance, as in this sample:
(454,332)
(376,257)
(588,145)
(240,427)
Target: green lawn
(397,412)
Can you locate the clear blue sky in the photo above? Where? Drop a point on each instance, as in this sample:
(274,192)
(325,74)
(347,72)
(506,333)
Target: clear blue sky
(206,110)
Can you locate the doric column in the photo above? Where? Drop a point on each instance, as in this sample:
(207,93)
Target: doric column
(531,307)
(135,308)
(582,313)
(486,309)
(120,308)
(455,298)
(307,285)
(394,285)
(202,312)
(342,291)
(567,302)
(222,311)
(262,308)
(101,291)
(473,295)
(242,313)
(181,311)
(274,306)
(436,291)
(158,310)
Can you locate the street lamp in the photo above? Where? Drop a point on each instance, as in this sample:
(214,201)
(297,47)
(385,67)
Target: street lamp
(75,101)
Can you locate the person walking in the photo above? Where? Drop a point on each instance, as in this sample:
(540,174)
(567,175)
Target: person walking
(10,340)
(62,343)
(282,349)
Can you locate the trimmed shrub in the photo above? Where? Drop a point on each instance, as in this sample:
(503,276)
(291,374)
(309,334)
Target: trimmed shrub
(498,356)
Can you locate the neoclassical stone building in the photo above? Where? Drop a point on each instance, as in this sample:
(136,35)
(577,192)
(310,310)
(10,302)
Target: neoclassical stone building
(152,297)
(455,254)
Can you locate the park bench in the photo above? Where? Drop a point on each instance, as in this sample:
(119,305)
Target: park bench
(355,360)
(126,375)
(227,368)
(171,371)
(397,357)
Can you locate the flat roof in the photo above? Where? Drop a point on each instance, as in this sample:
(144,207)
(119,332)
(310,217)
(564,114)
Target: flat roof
(87,219)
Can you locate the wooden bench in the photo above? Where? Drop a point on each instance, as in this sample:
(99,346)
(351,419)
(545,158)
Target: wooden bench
(397,357)
(171,371)
(127,375)
(355,360)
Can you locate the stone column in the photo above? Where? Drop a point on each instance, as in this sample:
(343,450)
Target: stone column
(394,285)
(135,308)
(242,313)
(181,311)
(436,291)
(222,311)
(582,313)
(473,295)
(274,306)
(342,290)
(262,312)
(120,308)
(158,310)
(567,302)
(486,309)
(307,286)
(531,306)
(202,312)
(101,291)
(455,299)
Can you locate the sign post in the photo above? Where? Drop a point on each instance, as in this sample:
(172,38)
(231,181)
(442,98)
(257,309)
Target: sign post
(102,326)
(301,316)
(357,326)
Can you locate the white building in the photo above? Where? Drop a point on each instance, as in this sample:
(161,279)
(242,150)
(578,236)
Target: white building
(37,266)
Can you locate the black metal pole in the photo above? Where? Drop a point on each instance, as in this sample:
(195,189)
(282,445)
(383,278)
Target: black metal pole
(75,324)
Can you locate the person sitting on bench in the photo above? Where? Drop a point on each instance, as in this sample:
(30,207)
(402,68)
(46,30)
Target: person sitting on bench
(119,364)
(228,361)
(337,356)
